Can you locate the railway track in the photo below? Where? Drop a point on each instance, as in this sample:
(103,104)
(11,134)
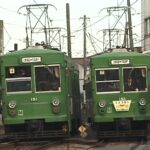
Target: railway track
(43,145)
(70,145)
(74,143)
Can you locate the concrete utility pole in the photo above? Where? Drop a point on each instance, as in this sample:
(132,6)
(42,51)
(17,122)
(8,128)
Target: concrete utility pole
(130,25)
(1,37)
(84,42)
(126,36)
(84,45)
(68,30)
(84,111)
(109,32)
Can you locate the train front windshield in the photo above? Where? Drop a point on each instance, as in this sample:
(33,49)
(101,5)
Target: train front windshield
(19,78)
(133,79)
(107,80)
(47,78)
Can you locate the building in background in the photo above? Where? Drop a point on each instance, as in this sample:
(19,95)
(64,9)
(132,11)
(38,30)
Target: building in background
(145,13)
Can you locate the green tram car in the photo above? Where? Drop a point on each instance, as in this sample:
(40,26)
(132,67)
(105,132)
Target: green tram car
(120,94)
(40,93)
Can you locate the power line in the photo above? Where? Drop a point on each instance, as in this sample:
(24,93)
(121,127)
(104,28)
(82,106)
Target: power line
(8,9)
(134,2)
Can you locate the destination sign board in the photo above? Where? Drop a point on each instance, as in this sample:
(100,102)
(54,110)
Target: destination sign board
(31,59)
(120,62)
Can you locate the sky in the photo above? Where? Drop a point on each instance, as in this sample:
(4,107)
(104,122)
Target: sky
(98,20)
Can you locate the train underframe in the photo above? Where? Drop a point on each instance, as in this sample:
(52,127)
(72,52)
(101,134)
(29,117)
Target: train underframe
(40,129)
(124,127)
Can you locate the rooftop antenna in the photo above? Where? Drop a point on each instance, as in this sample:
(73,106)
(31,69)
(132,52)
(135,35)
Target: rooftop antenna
(38,22)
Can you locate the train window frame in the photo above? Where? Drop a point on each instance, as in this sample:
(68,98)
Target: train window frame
(135,88)
(19,75)
(111,90)
(45,91)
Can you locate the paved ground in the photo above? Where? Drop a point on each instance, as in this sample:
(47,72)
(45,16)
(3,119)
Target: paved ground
(113,148)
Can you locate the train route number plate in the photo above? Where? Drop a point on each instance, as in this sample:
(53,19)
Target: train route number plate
(122,105)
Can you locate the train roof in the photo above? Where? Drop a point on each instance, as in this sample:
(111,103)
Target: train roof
(33,50)
(120,58)
(118,54)
(49,54)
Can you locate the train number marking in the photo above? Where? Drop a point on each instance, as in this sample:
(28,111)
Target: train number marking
(34,99)
(109,110)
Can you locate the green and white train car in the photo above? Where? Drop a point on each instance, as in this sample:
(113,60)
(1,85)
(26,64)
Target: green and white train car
(40,92)
(120,93)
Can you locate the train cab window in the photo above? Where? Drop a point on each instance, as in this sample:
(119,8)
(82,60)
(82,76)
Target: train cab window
(47,78)
(135,79)
(18,79)
(107,80)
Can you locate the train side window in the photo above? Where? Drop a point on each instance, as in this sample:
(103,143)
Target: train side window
(47,78)
(135,79)
(107,80)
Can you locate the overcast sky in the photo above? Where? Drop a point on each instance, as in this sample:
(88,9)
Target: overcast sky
(97,21)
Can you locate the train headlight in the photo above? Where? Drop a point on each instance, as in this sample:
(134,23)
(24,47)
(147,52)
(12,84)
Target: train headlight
(102,103)
(55,102)
(12,104)
(142,102)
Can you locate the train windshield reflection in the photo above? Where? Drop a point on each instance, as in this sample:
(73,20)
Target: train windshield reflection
(47,78)
(135,79)
(107,80)
(18,79)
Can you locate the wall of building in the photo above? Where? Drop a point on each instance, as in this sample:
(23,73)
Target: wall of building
(145,14)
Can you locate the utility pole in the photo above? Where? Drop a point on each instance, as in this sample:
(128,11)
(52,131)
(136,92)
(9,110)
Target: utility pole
(68,30)
(125,41)
(130,25)
(1,37)
(109,31)
(84,44)
(84,118)
(84,112)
